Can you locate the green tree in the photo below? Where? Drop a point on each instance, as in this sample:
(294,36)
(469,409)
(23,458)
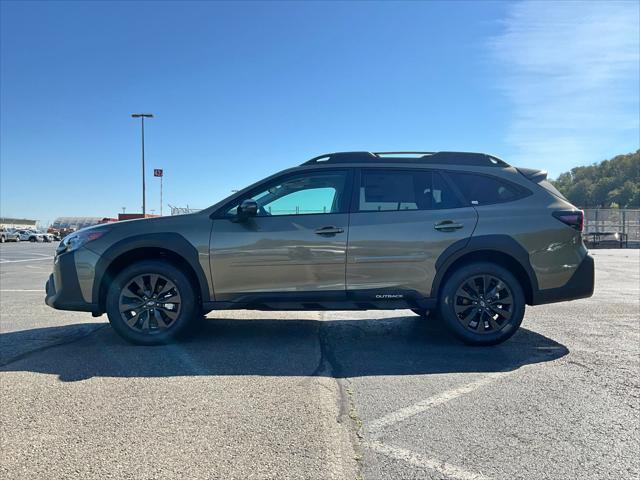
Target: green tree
(625,195)
(603,184)
(580,193)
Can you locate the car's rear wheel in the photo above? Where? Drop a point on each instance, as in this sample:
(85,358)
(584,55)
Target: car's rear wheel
(482,303)
(151,303)
(2,239)
(32,239)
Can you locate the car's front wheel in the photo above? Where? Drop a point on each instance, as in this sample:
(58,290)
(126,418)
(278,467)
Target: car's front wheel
(151,302)
(482,303)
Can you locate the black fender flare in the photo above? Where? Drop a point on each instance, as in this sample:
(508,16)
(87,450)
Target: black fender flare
(170,241)
(501,244)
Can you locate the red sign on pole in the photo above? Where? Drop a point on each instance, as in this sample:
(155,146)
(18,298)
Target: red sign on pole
(157,172)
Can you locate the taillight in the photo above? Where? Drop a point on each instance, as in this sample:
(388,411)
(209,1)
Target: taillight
(573,218)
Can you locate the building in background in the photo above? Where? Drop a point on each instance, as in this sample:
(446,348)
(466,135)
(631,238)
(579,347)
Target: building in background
(76,223)
(133,216)
(63,226)
(19,223)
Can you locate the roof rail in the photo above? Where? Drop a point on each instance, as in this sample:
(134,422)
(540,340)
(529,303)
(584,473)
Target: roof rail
(454,158)
(343,157)
(402,154)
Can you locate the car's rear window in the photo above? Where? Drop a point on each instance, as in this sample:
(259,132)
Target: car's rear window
(481,189)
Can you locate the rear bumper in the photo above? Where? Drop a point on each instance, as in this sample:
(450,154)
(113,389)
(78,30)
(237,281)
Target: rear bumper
(580,285)
(63,289)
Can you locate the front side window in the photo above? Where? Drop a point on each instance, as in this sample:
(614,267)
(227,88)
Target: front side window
(304,194)
(486,190)
(395,190)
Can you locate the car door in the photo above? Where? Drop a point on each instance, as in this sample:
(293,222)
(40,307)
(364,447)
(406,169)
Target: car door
(295,243)
(401,221)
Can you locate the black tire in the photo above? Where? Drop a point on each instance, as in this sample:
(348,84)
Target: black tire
(33,239)
(2,239)
(17,239)
(428,315)
(495,290)
(180,318)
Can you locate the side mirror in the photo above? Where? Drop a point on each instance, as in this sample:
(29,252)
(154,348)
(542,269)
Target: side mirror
(248,208)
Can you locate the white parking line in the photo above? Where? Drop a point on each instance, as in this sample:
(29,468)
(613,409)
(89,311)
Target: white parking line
(25,260)
(439,399)
(7,291)
(420,461)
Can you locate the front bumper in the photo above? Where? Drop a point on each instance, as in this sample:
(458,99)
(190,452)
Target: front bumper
(580,285)
(63,289)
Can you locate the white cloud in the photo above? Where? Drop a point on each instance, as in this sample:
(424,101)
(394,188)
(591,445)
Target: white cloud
(571,72)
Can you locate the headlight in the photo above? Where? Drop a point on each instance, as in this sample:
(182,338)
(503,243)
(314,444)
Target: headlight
(76,240)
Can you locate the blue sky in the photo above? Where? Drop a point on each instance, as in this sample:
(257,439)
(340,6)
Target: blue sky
(241,90)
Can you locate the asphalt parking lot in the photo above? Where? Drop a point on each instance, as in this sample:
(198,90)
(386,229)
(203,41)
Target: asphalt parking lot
(342,395)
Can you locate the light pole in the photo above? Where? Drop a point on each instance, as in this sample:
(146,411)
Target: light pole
(142,116)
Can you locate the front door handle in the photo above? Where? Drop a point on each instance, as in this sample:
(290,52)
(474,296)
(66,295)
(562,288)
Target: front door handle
(447,226)
(330,230)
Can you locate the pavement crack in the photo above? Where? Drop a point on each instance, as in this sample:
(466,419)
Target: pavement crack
(330,366)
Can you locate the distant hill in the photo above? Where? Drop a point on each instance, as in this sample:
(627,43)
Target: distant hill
(609,184)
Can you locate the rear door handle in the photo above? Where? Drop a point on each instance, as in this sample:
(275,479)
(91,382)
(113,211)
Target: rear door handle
(330,230)
(447,226)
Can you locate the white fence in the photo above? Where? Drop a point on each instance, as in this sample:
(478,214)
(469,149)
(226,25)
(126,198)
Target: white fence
(625,221)
(183,210)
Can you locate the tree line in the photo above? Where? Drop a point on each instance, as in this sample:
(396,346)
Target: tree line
(611,183)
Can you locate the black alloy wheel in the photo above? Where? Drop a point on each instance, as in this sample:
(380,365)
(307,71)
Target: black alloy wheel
(152,302)
(482,303)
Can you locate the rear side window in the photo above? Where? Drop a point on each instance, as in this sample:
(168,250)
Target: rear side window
(486,190)
(394,190)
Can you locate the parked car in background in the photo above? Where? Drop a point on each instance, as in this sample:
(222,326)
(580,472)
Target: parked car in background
(47,237)
(30,236)
(8,235)
(60,234)
(465,235)
(55,233)
(23,235)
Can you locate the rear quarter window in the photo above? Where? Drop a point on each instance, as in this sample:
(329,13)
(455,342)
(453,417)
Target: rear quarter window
(480,189)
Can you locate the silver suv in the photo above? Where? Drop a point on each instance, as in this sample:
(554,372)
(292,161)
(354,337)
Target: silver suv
(462,235)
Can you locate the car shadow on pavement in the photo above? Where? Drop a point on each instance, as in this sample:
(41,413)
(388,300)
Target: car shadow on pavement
(337,348)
